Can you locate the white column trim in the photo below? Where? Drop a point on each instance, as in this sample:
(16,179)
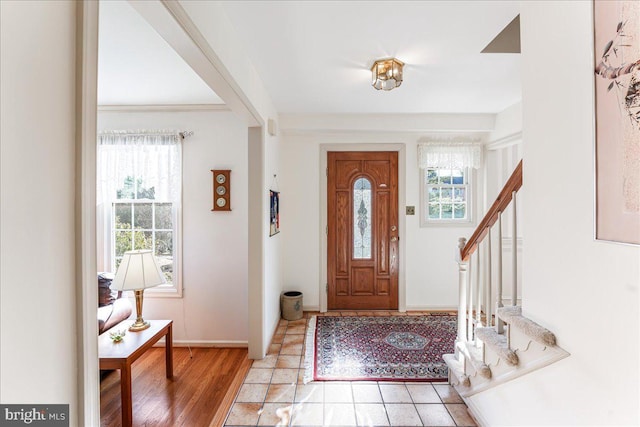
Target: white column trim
(88,403)
(256,253)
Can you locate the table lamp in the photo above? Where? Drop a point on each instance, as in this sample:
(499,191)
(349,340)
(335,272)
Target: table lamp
(138,270)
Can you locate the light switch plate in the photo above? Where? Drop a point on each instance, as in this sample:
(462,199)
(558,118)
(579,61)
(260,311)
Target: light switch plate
(411,210)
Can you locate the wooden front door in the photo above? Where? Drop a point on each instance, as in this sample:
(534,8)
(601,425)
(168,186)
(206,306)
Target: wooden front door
(362,230)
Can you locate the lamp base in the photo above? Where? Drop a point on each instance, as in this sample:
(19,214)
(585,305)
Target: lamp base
(139,326)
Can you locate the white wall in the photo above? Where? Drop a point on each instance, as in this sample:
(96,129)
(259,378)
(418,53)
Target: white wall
(583,290)
(429,265)
(231,61)
(38,361)
(500,163)
(274,260)
(213,309)
(504,151)
(508,122)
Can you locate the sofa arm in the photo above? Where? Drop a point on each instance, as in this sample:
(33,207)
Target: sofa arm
(112,314)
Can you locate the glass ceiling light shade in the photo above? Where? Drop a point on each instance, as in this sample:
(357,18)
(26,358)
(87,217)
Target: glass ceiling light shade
(138,270)
(386,74)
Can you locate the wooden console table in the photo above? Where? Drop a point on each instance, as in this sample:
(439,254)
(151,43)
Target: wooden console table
(122,355)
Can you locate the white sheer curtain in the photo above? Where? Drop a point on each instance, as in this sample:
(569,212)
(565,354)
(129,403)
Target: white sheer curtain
(153,156)
(150,159)
(450,154)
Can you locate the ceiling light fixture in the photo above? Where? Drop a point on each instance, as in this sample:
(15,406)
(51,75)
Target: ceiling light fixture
(386,74)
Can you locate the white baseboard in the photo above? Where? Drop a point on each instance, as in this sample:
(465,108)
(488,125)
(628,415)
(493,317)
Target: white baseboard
(205,344)
(475,413)
(431,308)
(409,308)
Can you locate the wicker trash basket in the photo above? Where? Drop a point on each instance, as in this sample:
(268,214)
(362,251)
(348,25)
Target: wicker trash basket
(291,305)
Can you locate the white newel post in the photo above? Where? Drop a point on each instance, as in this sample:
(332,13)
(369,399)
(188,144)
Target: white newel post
(462,292)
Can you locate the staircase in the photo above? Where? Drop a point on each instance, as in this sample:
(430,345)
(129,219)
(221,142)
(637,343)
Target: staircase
(495,343)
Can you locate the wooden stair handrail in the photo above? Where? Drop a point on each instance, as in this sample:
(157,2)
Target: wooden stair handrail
(502,201)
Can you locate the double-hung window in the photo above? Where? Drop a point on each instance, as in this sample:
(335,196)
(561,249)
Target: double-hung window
(139,197)
(446,172)
(446,195)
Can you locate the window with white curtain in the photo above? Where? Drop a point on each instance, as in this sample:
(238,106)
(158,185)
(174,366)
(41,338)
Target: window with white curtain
(446,181)
(139,199)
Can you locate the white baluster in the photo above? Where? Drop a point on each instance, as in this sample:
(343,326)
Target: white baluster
(499,323)
(462,293)
(514,245)
(470,300)
(489,303)
(479,289)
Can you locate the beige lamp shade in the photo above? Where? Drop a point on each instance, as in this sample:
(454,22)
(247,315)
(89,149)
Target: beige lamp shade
(138,270)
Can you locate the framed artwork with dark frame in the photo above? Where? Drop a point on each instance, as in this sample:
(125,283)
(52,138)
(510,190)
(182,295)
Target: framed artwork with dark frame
(274,212)
(617,118)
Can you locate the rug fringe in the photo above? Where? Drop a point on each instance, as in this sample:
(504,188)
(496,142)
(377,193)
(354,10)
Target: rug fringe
(309,356)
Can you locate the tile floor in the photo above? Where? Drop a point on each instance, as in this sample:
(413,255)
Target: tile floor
(273,393)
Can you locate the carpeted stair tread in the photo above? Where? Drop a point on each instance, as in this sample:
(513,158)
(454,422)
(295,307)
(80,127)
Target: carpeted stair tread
(497,343)
(513,316)
(474,355)
(456,368)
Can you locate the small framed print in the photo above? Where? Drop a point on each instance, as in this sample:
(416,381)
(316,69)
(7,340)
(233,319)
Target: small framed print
(221,189)
(274,203)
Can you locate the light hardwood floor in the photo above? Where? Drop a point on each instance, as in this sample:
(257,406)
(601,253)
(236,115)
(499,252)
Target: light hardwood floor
(201,386)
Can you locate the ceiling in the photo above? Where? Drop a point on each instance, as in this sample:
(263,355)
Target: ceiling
(137,67)
(315,56)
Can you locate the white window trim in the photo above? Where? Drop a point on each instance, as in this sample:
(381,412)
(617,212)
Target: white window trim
(426,223)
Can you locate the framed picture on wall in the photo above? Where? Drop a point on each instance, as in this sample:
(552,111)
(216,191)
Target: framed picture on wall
(274,203)
(617,117)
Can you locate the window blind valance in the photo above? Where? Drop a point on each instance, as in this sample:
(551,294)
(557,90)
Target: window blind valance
(448,154)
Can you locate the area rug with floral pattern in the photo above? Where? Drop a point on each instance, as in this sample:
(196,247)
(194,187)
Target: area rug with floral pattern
(379,348)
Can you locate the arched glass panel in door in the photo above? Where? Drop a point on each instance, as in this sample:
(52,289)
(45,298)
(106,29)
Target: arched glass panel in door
(362,219)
